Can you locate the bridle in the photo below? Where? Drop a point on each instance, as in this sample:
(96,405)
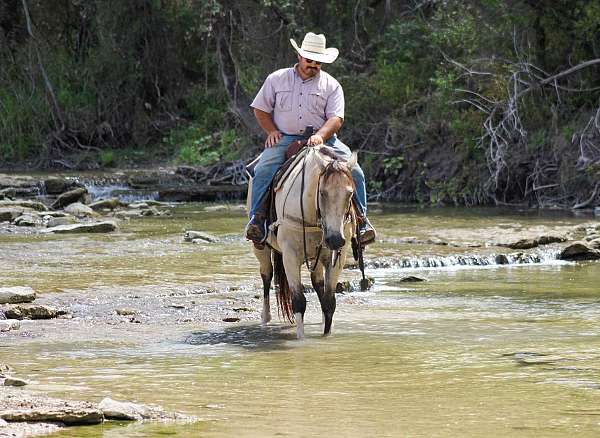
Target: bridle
(348,216)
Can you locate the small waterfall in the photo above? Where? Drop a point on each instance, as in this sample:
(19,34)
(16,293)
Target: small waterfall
(520,258)
(118,190)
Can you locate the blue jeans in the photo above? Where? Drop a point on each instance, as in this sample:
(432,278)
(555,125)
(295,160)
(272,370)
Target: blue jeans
(273,158)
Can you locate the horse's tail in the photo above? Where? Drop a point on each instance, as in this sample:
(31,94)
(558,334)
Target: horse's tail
(284,297)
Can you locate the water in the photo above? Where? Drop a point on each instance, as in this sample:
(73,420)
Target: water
(481,350)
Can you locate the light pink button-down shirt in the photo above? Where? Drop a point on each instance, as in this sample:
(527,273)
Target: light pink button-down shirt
(296,104)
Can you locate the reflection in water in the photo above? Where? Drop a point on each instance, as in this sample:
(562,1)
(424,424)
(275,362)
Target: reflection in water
(250,337)
(495,351)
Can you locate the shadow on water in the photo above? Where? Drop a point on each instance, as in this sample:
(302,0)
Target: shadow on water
(252,337)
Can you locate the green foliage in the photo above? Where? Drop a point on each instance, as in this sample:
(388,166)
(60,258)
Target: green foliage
(204,150)
(107,158)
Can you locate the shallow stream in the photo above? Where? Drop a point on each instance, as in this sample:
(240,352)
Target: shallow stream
(510,350)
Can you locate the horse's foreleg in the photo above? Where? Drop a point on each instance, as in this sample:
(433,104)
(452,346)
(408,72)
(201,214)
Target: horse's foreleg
(318,282)
(332,274)
(266,273)
(292,270)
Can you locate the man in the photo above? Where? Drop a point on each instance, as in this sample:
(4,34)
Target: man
(290,100)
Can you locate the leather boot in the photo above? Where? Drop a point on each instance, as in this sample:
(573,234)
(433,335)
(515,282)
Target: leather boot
(256,230)
(367,233)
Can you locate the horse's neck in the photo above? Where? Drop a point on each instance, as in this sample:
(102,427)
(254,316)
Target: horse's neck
(313,165)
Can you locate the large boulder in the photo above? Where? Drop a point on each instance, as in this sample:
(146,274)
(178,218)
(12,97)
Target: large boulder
(111,204)
(32,311)
(69,198)
(94,227)
(579,251)
(79,210)
(28,220)
(16,295)
(57,185)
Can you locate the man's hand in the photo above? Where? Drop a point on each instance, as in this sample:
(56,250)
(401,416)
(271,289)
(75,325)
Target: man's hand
(315,140)
(273,138)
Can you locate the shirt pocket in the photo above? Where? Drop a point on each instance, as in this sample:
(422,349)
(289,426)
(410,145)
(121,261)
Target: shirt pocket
(283,100)
(316,102)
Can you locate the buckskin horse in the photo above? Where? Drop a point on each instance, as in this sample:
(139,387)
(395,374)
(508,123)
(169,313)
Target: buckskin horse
(315,224)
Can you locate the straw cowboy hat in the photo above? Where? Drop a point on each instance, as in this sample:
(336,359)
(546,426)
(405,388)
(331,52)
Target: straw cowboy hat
(313,47)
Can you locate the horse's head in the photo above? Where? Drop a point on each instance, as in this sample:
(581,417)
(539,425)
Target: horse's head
(336,188)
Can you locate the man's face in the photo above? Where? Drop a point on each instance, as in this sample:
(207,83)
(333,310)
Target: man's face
(308,67)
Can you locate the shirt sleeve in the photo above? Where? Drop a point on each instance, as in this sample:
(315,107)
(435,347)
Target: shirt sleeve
(335,103)
(265,99)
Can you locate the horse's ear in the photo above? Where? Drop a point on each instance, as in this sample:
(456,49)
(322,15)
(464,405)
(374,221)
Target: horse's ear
(352,161)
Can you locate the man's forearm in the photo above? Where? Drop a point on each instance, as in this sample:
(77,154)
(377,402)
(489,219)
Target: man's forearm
(330,127)
(265,121)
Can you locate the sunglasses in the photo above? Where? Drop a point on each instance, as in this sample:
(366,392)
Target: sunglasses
(310,61)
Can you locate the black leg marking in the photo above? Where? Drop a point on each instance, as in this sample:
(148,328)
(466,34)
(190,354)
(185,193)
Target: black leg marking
(328,306)
(298,302)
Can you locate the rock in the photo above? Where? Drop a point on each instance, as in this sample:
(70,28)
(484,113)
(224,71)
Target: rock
(10,214)
(118,410)
(111,204)
(57,185)
(9,193)
(7,325)
(33,312)
(70,415)
(501,259)
(58,221)
(32,205)
(28,220)
(521,244)
(128,214)
(94,227)
(546,240)
(595,244)
(16,295)
(15,381)
(79,210)
(138,205)
(579,251)
(533,243)
(125,312)
(69,197)
(150,211)
(353,286)
(3,423)
(411,279)
(231,319)
(190,236)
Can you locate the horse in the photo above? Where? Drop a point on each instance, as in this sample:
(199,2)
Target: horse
(315,224)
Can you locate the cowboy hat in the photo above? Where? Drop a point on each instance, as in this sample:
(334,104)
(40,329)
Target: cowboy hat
(313,47)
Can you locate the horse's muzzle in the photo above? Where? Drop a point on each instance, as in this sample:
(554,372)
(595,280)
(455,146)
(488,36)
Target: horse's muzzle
(335,241)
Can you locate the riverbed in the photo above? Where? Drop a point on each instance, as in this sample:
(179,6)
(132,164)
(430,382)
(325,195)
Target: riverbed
(478,349)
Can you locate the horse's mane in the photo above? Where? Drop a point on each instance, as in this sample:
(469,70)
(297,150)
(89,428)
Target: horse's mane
(336,166)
